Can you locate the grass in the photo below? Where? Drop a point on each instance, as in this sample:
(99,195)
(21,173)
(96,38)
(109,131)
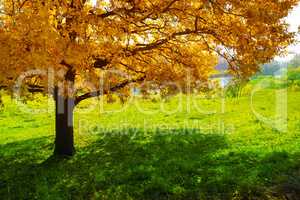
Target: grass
(206,149)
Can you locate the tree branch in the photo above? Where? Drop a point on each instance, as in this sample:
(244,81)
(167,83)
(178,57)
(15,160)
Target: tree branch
(102,92)
(132,69)
(104,15)
(35,88)
(100,63)
(154,45)
(63,62)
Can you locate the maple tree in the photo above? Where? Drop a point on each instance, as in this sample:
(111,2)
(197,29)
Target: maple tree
(124,42)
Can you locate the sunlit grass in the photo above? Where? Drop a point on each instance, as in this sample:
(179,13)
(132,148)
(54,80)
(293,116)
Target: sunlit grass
(207,149)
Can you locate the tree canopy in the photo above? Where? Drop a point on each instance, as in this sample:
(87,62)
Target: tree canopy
(155,40)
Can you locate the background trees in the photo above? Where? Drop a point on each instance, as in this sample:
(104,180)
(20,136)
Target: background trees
(295,62)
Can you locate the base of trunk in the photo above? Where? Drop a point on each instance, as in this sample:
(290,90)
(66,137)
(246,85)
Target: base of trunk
(64,137)
(64,140)
(64,151)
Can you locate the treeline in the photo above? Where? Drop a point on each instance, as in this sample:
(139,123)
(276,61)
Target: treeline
(275,66)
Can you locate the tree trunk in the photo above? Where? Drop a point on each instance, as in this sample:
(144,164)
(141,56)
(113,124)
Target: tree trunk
(64,140)
(1,102)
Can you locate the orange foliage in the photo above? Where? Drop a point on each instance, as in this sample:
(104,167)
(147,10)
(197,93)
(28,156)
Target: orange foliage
(128,41)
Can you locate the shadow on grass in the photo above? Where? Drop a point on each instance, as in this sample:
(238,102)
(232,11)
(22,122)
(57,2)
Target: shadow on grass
(171,164)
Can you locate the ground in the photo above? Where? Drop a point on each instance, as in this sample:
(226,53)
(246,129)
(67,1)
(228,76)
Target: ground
(182,148)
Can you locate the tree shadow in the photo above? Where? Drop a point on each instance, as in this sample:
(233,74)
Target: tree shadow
(133,164)
(18,163)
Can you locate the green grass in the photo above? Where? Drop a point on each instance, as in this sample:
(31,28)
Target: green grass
(201,151)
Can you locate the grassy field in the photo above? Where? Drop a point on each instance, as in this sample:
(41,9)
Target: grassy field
(184,148)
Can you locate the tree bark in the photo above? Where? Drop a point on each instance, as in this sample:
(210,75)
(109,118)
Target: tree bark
(64,137)
(1,102)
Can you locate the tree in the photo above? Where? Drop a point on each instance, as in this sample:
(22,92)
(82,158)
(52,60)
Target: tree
(130,42)
(295,62)
(293,76)
(272,67)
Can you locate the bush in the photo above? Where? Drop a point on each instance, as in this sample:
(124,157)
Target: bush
(294,76)
(235,88)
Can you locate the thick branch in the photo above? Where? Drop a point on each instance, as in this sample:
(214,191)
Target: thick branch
(102,92)
(132,69)
(154,45)
(35,88)
(63,62)
(3,87)
(100,63)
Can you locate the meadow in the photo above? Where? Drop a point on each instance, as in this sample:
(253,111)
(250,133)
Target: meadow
(186,147)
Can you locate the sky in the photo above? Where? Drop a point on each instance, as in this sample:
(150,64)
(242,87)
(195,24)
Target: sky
(294,21)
